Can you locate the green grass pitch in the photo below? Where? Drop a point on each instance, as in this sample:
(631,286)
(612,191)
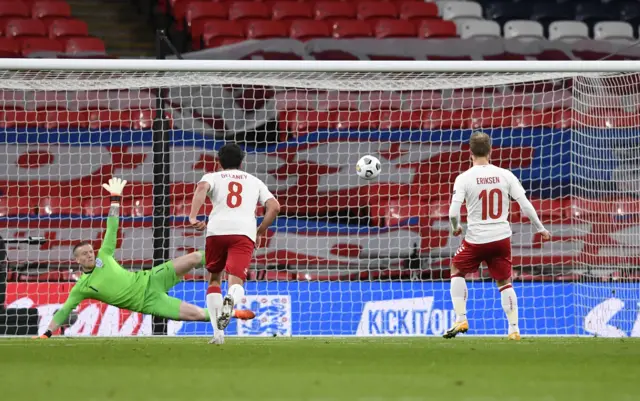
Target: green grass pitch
(320,369)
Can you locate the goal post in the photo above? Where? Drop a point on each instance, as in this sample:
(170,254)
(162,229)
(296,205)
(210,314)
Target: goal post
(346,257)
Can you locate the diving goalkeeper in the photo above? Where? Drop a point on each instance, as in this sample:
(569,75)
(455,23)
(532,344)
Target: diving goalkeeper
(103,278)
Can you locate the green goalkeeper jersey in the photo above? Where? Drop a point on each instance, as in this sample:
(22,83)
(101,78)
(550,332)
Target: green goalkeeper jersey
(108,282)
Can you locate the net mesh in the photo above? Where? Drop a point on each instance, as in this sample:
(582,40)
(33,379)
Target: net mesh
(346,256)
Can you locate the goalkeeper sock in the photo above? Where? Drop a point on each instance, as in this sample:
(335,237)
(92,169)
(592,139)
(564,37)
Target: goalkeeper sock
(214,304)
(237,292)
(510,306)
(459,297)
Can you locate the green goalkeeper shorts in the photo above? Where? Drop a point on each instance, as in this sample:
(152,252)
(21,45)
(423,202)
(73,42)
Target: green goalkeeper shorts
(156,301)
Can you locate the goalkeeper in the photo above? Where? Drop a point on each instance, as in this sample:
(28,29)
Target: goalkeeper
(143,291)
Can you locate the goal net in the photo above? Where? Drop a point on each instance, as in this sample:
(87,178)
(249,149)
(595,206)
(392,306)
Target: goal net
(345,256)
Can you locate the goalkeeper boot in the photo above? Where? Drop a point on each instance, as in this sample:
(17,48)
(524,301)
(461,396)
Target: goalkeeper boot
(515,336)
(225,312)
(217,339)
(458,327)
(243,314)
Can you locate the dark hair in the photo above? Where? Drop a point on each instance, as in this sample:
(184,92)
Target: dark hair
(480,144)
(79,244)
(230,156)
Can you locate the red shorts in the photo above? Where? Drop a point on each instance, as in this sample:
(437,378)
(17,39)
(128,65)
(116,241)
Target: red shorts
(231,253)
(496,254)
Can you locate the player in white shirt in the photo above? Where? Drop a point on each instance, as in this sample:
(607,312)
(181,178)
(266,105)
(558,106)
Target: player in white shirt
(486,189)
(231,230)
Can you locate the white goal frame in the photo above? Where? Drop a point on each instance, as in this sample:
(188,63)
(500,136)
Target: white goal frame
(566,66)
(533,70)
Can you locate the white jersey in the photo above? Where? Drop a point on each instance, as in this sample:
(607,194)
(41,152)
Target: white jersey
(486,190)
(235,195)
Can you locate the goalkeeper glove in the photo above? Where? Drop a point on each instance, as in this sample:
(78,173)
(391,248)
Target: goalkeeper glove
(115,187)
(46,334)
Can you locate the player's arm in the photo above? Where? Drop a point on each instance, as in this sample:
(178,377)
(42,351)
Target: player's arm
(456,205)
(199,197)
(272,208)
(115,188)
(75,297)
(517,193)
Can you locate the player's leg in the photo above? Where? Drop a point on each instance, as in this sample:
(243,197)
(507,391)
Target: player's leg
(239,254)
(466,260)
(215,256)
(185,263)
(500,269)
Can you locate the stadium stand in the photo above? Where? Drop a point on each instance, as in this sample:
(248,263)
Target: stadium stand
(41,29)
(460,30)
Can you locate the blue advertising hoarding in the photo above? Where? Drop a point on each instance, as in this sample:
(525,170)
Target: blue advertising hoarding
(423,309)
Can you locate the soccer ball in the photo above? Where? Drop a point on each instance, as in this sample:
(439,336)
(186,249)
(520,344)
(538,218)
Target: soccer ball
(368,167)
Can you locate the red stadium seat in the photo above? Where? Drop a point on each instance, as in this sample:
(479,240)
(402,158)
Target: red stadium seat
(412,11)
(396,211)
(488,118)
(290,10)
(607,118)
(19,118)
(199,12)
(41,45)
(218,33)
(441,119)
(437,29)
(53,206)
(394,29)
(309,29)
(376,10)
(245,10)
(96,206)
(439,210)
(267,30)
(346,29)
(182,207)
(11,10)
(526,117)
(65,28)
(592,210)
(14,206)
(138,207)
(84,45)
(9,48)
(52,119)
(550,211)
(328,10)
(18,28)
(50,10)
(178,11)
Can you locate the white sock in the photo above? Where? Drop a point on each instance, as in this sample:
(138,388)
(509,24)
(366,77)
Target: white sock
(237,293)
(214,304)
(459,294)
(510,306)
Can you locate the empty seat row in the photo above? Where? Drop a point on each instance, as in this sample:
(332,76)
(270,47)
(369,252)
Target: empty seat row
(57,28)
(239,11)
(385,213)
(568,31)
(544,13)
(99,206)
(220,32)
(550,211)
(299,122)
(38,10)
(304,121)
(115,119)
